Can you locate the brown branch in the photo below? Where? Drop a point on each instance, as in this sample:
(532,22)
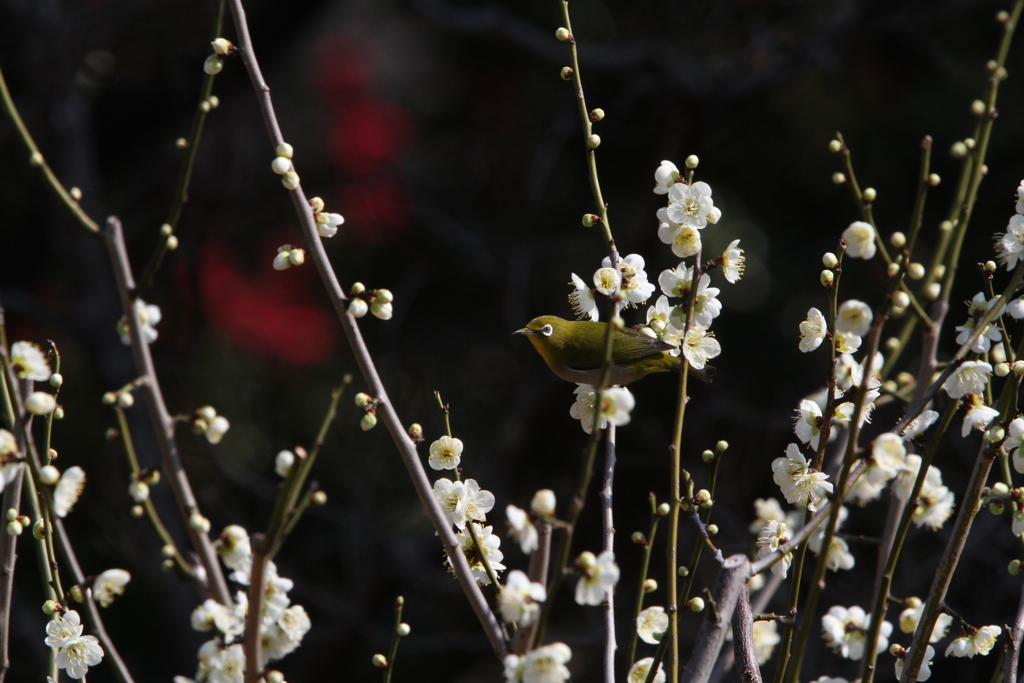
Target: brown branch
(743,639)
(254,615)
(213,584)
(406,447)
(732,580)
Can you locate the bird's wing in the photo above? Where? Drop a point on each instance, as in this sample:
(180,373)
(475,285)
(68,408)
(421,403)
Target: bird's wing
(631,345)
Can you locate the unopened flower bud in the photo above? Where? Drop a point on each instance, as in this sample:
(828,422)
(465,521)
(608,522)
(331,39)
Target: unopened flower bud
(137,511)
(977,107)
(368,422)
(139,491)
(221,46)
(897,239)
(297,256)
(708,456)
(958,150)
(12,514)
(995,434)
(380,661)
(39,530)
(596,114)
(996,507)
(838,178)
(58,413)
(290,180)
(1002,369)
(566,73)
(900,300)
(172,243)
(1018,368)
(562,34)
(205,107)
(125,399)
(75,193)
(167,565)
(281,165)
(319,498)
(589,220)
(181,143)
(49,475)
(362,399)
(1000,489)
(650,585)
(703,497)
(14,528)
(892,269)
(663,509)
(403,630)
(934,179)
(281,260)
(896,650)
(683,571)
(826,278)
(56,379)
(358,308)
(835,146)
(384,296)
(50,607)
(638,538)
(970,142)
(593,141)
(213,65)
(869,194)
(712,529)
(285,150)
(198,523)
(274,676)
(990,266)
(692,161)
(932,291)
(76,593)
(915,271)
(35,160)
(40,403)
(722,446)
(382,311)
(415,431)
(829,260)
(543,503)
(696,605)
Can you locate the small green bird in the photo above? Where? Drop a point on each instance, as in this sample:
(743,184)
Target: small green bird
(574,350)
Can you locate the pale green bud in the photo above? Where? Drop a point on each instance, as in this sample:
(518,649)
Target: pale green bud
(897,239)
(319,498)
(934,179)
(14,528)
(566,73)
(650,585)
(76,593)
(363,400)
(826,278)
(639,538)
(829,260)
(290,180)
(958,150)
(692,161)
(708,456)
(869,194)
(900,300)
(915,271)
(712,529)
(562,34)
(221,46)
(403,630)
(596,114)
(368,422)
(593,141)
(49,475)
(1014,567)
(664,509)
(696,605)
(50,607)
(213,65)
(835,146)
(838,178)
(380,661)
(285,150)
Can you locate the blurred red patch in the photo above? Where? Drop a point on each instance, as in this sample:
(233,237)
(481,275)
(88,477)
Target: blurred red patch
(268,314)
(377,210)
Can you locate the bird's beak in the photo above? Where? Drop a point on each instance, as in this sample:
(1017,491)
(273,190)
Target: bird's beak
(525,330)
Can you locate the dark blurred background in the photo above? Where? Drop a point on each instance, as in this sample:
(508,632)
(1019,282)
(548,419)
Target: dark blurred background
(441,131)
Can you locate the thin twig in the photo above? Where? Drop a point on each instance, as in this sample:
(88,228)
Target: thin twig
(254,616)
(610,646)
(163,424)
(406,447)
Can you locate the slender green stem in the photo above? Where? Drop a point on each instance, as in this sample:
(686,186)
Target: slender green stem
(644,567)
(185,174)
(37,160)
(395,637)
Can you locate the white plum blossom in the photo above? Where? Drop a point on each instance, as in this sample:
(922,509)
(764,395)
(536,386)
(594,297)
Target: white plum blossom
(934,505)
(854,316)
(980,643)
(685,240)
(607,280)
(634,278)
(583,408)
(766,511)
(658,315)
(970,378)
(911,616)
(847,342)
(772,537)
(1013,443)
(665,176)
(1020,197)
(1010,244)
(839,555)
(860,240)
(28,362)
(651,623)
(844,630)
(766,637)
(149,317)
(521,529)
(598,575)
(812,330)
(108,585)
(799,485)
(920,423)
(67,490)
(690,205)
(640,670)
(733,262)
(978,417)
(676,281)
(520,598)
(463,500)
(233,546)
(582,300)
(616,405)
(445,453)
(978,308)
(217,428)
(699,346)
(925,672)
(887,455)
(544,665)
(40,403)
(489,544)
(808,423)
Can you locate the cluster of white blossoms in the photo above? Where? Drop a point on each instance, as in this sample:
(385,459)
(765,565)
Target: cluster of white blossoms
(29,362)
(75,653)
(774,528)
(282,624)
(207,422)
(845,629)
(630,281)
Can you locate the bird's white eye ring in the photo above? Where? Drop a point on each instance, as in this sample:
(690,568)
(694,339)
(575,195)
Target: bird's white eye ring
(547,330)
